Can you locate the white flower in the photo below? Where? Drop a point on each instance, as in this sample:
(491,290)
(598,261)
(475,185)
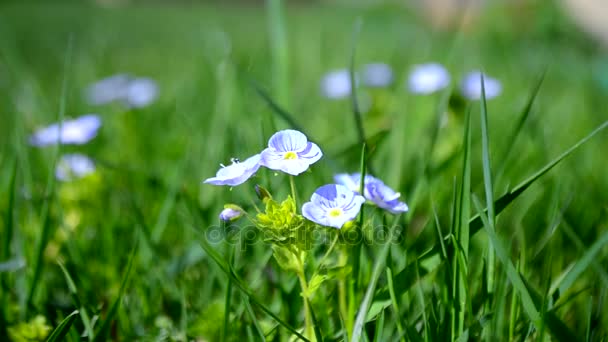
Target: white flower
(77,131)
(141,92)
(133,92)
(108,90)
(336,84)
(428,78)
(471,86)
(291,152)
(74,166)
(377,75)
(333,205)
(236,173)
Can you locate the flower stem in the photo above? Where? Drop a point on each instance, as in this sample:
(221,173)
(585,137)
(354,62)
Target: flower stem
(292,183)
(308,328)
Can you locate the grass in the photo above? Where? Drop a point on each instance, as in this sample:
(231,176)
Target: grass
(506,234)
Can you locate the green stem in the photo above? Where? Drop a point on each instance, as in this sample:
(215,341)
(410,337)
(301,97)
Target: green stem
(292,184)
(342,296)
(308,328)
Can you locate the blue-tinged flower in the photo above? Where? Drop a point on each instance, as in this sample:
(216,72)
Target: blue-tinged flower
(333,205)
(108,90)
(141,92)
(336,84)
(291,152)
(428,78)
(471,86)
(377,75)
(74,166)
(77,131)
(375,191)
(236,173)
(231,213)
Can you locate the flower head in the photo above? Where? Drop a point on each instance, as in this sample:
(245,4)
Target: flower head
(471,86)
(77,131)
(333,205)
(74,166)
(141,92)
(291,152)
(377,75)
(231,212)
(375,191)
(428,78)
(336,84)
(236,173)
(108,90)
(132,92)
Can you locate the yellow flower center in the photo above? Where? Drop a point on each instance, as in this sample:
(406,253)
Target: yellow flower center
(335,212)
(290,155)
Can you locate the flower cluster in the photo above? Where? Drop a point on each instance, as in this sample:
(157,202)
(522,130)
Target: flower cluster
(423,79)
(331,205)
(78,131)
(133,92)
(288,151)
(375,191)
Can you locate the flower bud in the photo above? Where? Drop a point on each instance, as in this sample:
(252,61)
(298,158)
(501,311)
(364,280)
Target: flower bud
(262,193)
(231,213)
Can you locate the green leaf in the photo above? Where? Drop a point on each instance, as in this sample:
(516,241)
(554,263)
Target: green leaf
(512,274)
(74,292)
(241,285)
(104,330)
(62,329)
(582,264)
(371,288)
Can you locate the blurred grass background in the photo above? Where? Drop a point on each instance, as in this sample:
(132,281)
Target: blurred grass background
(205,57)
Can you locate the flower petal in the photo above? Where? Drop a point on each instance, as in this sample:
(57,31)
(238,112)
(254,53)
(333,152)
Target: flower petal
(336,84)
(288,140)
(312,153)
(377,75)
(428,78)
(237,173)
(333,205)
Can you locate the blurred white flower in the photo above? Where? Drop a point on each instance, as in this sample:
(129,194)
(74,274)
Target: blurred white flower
(134,92)
(108,90)
(428,78)
(74,166)
(77,131)
(377,75)
(336,84)
(471,86)
(141,92)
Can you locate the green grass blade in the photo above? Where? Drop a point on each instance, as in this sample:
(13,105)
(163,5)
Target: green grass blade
(254,319)
(278,50)
(104,330)
(583,263)
(523,118)
(241,285)
(50,191)
(86,321)
(62,329)
(371,288)
(512,274)
(277,109)
(379,326)
(461,236)
(5,263)
(395,306)
(489,192)
(353,83)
